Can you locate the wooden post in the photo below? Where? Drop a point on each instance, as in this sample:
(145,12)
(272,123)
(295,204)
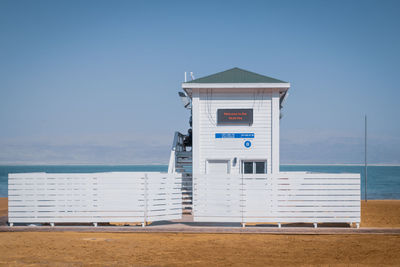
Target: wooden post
(145,200)
(275,113)
(365,160)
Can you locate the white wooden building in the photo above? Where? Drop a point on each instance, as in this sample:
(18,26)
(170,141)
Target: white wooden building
(239,141)
(235,152)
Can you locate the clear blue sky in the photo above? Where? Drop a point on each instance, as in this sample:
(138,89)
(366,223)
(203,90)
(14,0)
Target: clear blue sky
(97,81)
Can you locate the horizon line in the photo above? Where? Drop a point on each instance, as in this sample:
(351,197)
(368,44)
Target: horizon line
(164,164)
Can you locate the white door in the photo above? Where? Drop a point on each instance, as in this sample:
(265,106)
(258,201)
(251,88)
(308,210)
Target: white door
(217,166)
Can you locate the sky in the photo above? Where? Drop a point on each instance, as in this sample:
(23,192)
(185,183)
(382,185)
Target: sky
(96,82)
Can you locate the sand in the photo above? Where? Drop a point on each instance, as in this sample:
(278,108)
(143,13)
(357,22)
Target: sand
(3,206)
(380,213)
(148,249)
(163,249)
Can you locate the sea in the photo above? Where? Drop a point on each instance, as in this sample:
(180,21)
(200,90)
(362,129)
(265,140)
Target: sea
(383,182)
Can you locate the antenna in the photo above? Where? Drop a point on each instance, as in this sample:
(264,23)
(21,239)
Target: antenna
(191,75)
(185,77)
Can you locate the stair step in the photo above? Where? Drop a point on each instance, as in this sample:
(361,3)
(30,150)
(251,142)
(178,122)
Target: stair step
(183,153)
(183,166)
(188,168)
(184,160)
(180,163)
(186,190)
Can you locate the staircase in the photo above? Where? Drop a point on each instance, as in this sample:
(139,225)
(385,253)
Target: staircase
(183,165)
(181,162)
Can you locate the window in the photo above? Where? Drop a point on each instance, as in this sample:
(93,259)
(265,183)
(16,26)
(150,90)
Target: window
(248,167)
(254,167)
(260,166)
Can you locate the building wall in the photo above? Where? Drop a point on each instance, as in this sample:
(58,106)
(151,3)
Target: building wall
(265,105)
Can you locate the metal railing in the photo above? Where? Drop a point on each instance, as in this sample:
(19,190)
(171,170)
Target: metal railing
(177,146)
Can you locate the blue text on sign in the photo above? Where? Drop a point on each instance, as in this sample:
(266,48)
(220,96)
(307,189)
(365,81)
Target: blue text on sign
(234,135)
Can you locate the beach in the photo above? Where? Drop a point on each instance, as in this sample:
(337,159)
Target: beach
(178,249)
(3,206)
(148,249)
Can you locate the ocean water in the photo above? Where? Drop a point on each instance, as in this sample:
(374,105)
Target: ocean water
(383,181)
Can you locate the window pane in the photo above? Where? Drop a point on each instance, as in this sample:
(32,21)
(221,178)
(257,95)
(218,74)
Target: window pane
(248,167)
(260,167)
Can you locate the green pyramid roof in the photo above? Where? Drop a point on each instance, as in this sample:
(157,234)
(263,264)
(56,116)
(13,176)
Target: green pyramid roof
(236,75)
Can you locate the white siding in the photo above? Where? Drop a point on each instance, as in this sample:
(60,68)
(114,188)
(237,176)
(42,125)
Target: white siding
(205,106)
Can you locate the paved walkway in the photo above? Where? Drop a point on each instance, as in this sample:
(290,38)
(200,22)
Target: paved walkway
(186,225)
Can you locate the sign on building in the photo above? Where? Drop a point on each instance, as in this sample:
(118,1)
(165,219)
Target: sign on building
(235,116)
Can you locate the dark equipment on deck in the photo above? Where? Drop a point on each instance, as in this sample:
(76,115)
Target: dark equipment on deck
(187,141)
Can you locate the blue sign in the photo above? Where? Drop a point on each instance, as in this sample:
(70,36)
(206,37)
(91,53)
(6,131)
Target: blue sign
(234,135)
(247,144)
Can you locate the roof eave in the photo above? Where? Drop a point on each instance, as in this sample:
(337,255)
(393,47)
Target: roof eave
(235,85)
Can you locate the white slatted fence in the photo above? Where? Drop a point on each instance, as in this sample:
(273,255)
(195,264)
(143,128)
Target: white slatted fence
(93,197)
(282,198)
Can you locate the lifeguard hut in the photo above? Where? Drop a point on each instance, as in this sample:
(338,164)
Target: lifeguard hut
(234,160)
(236,122)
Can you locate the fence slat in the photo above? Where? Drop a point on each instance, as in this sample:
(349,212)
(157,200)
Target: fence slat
(93,197)
(283,197)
